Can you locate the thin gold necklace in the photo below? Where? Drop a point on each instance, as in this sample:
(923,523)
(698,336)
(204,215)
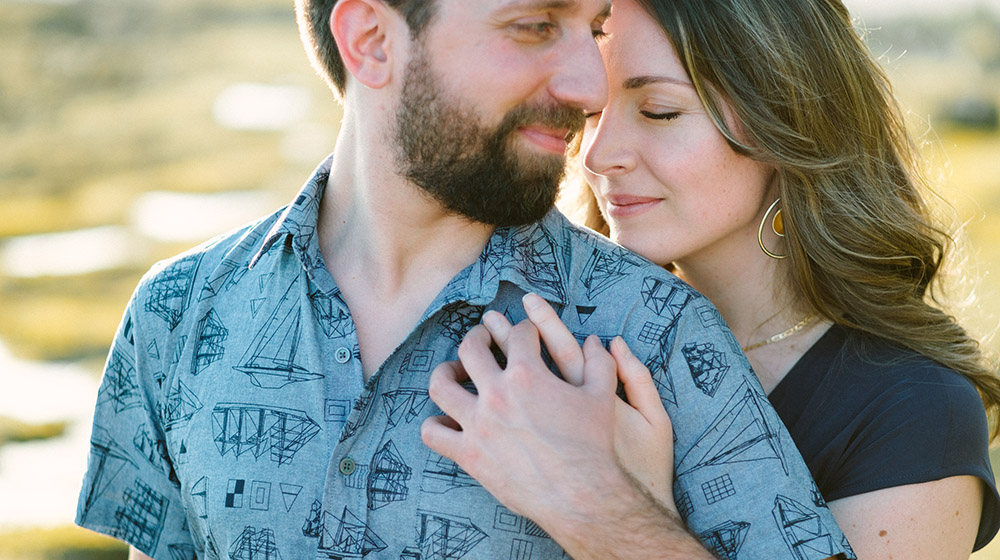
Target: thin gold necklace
(805,322)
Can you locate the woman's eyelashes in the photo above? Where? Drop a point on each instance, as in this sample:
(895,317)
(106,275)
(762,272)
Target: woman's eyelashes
(658,116)
(649,114)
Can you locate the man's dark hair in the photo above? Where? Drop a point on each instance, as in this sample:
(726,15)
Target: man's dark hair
(314,26)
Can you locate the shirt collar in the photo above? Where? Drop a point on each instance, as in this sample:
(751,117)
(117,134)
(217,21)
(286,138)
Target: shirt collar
(298,220)
(530,256)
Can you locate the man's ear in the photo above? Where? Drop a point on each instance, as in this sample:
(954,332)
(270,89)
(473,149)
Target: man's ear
(364,31)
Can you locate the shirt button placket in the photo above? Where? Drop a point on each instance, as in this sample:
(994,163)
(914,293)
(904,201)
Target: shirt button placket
(347,466)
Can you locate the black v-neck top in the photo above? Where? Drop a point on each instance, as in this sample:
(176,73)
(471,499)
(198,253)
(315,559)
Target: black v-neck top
(868,415)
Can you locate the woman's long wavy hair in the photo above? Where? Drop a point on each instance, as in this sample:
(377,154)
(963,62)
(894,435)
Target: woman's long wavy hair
(863,248)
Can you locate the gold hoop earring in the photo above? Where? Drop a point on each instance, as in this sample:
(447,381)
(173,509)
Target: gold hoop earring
(777,226)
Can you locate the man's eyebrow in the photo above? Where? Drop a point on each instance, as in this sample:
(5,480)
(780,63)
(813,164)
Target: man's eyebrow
(545,5)
(642,81)
(536,5)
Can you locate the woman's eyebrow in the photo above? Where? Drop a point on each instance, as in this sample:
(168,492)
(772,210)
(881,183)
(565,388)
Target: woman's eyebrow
(642,81)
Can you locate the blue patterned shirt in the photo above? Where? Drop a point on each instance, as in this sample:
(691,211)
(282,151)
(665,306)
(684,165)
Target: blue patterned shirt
(233,419)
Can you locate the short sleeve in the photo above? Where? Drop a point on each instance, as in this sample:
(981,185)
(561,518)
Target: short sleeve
(740,484)
(920,431)
(130,491)
(900,442)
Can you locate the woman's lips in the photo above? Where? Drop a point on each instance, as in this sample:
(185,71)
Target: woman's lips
(626,206)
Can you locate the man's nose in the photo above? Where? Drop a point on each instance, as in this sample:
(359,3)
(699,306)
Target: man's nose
(580,79)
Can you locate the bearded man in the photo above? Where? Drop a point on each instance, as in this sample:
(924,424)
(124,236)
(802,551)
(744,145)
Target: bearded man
(266,392)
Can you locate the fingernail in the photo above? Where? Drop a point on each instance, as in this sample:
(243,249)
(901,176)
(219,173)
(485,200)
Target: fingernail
(532,301)
(621,346)
(492,320)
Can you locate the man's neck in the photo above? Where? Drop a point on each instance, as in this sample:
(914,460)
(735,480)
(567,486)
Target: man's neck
(391,235)
(390,248)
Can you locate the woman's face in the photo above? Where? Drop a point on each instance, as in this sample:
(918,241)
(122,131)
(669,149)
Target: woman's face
(668,184)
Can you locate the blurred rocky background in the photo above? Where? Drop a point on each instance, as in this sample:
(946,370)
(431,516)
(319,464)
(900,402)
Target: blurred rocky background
(130,131)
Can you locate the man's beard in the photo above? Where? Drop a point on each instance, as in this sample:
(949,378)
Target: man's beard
(471,170)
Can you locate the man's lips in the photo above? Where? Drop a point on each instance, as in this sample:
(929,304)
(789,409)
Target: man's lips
(550,139)
(627,205)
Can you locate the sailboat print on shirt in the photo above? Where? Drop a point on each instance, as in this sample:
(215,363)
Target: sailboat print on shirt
(341,538)
(271,359)
(444,536)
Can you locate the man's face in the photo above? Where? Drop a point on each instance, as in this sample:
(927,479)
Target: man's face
(476,171)
(482,125)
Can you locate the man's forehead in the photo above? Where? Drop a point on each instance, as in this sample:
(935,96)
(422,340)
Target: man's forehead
(539,4)
(599,7)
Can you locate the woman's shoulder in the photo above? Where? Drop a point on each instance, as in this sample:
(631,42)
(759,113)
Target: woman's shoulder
(890,416)
(905,419)
(886,369)
(848,374)
(861,383)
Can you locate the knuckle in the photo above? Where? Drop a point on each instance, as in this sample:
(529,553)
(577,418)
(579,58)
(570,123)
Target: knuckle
(470,459)
(567,360)
(465,348)
(518,376)
(427,431)
(638,373)
(500,336)
(429,436)
(544,318)
(605,360)
(436,384)
(472,336)
(495,402)
(524,328)
(662,422)
(567,355)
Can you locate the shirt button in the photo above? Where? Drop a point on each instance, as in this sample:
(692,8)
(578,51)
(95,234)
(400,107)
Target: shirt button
(342,355)
(347,466)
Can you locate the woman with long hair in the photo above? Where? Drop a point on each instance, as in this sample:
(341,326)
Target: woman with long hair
(754,148)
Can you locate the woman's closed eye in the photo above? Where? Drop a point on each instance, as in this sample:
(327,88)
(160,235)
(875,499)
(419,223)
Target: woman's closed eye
(657,116)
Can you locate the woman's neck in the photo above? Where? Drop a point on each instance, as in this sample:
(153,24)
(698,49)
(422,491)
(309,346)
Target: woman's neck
(753,295)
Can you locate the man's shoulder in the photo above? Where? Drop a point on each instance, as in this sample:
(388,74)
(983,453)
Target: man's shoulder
(234,251)
(594,253)
(620,289)
(615,292)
